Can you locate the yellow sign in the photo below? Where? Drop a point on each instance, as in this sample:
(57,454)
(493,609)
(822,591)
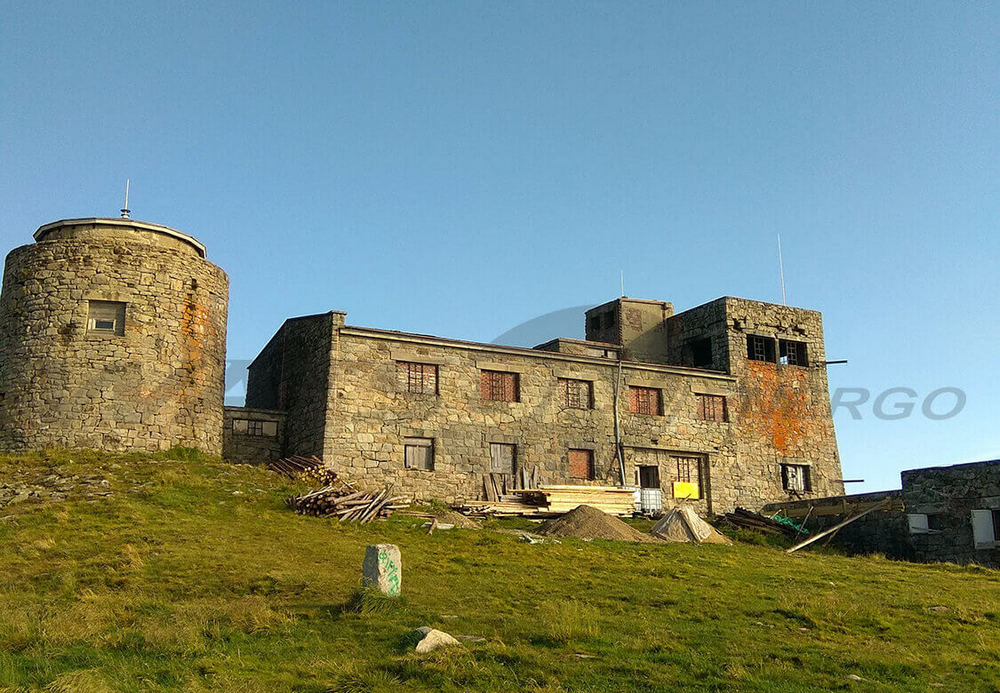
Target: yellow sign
(685,489)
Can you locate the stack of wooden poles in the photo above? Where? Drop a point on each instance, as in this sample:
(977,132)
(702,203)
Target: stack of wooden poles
(337,498)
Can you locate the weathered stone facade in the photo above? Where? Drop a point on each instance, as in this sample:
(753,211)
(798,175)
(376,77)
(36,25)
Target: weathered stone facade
(950,501)
(342,388)
(112,336)
(252,436)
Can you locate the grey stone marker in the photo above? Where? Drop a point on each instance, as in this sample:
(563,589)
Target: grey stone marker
(383,568)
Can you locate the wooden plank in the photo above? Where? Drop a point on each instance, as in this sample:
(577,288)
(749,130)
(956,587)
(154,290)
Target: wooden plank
(836,527)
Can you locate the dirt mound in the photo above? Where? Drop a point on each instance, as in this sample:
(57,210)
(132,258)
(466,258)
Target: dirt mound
(586,522)
(450,517)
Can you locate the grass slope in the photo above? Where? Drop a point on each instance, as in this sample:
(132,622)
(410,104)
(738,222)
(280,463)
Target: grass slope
(193,576)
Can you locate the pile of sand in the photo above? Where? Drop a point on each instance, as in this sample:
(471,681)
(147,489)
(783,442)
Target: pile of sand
(683,524)
(586,522)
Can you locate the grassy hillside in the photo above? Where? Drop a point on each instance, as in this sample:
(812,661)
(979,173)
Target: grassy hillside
(192,575)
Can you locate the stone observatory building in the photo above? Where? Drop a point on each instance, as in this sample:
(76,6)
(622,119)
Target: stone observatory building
(112,336)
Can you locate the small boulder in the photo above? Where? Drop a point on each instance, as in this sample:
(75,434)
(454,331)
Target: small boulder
(432,639)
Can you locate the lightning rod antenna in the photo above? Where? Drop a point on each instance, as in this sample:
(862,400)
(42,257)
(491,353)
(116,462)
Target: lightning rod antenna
(623,282)
(781,272)
(126,212)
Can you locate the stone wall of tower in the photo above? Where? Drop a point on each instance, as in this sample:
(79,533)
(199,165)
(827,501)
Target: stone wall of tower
(156,383)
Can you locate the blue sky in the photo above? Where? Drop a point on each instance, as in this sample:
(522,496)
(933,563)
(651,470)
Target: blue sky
(460,168)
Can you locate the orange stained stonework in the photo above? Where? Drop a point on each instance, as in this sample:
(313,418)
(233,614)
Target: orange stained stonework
(778,405)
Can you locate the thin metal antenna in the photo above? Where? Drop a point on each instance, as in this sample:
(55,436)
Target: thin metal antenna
(126,212)
(781,272)
(623,283)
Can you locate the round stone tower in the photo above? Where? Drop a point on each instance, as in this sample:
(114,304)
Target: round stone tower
(112,336)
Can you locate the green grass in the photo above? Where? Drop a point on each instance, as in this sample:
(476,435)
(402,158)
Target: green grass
(194,576)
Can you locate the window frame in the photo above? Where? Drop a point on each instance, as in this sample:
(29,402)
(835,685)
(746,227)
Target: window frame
(761,345)
(590,474)
(412,377)
(719,414)
(652,396)
(792,352)
(492,383)
(585,399)
(253,428)
(805,476)
(427,448)
(100,311)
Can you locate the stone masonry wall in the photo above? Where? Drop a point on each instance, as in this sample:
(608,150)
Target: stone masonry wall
(948,495)
(249,447)
(369,417)
(782,411)
(292,374)
(159,384)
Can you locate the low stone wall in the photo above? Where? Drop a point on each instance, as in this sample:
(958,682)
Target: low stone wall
(247,436)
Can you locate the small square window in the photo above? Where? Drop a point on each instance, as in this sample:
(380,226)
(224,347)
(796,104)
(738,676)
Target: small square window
(701,353)
(240,426)
(796,478)
(270,429)
(419,453)
(792,353)
(417,378)
(106,317)
(644,400)
(499,386)
(576,394)
(712,408)
(503,458)
(760,348)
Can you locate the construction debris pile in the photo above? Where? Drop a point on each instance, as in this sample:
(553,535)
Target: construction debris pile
(550,499)
(747,519)
(337,498)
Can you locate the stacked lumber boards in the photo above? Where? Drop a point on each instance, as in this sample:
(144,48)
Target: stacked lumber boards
(342,501)
(613,500)
(555,499)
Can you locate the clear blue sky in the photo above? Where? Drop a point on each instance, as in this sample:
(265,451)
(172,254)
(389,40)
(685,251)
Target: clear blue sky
(459,168)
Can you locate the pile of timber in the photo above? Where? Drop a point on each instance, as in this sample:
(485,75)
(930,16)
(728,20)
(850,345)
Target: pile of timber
(340,500)
(298,467)
(747,519)
(553,499)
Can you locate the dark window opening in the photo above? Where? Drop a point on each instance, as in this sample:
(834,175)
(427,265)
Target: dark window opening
(712,408)
(581,464)
(649,476)
(760,348)
(792,353)
(499,386)
(595,323)
(701,353)
(796,477)
(419,453)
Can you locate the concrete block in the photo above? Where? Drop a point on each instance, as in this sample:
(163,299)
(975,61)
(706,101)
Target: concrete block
(383,568)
